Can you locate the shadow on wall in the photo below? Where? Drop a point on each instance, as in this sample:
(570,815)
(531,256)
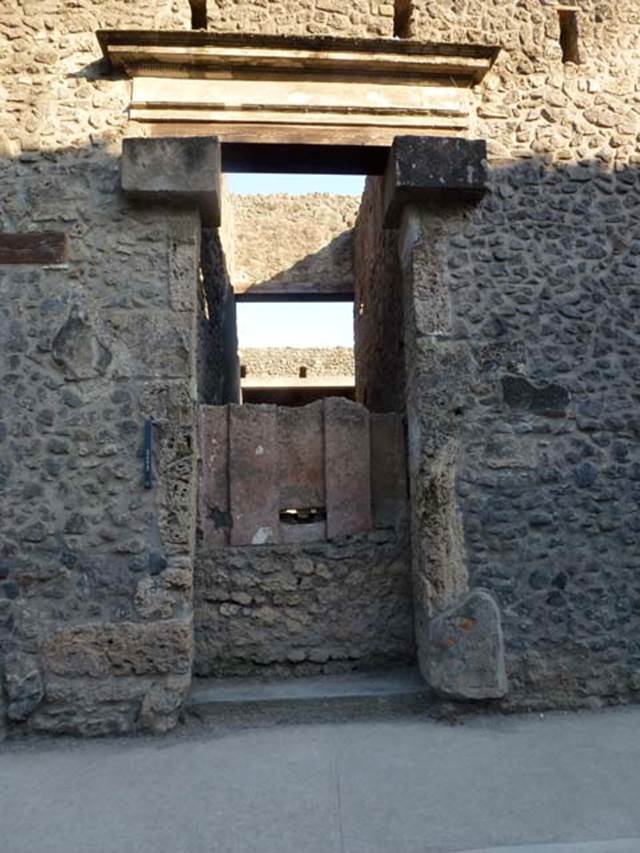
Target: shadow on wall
(524,370)
(542,282)
(327,273)
(95,569)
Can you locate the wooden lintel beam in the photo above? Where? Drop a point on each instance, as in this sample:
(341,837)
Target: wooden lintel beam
(45,247)
(295,291)
(198,14)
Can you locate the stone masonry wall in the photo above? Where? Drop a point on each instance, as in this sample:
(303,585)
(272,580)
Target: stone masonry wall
(302,17)
(524,347)
(287,361)
(378,311)
(523,356)
(292,610)
(95,570)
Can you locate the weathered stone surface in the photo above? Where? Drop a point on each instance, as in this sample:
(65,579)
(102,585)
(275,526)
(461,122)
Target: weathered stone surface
(113,718)
(466,650)
(321,607)
(538,280)
(3,718)
(319,17)
(215,514)
(253,474)
(162,703)
(301,456)
(162,596)
(121,649)
(389,484)
(379,336)
(77,348)
(23,682)
(287,361)
(174,170)
(110,705)
(314,249)
(432,169)
(347,467)
(549,400)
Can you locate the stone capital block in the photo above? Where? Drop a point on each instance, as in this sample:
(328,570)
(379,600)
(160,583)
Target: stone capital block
(465,653)
(432,168)
(174,170)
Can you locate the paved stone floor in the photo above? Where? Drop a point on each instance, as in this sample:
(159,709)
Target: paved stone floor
(556,783)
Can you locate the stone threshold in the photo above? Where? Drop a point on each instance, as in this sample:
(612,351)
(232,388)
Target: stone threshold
(388,684)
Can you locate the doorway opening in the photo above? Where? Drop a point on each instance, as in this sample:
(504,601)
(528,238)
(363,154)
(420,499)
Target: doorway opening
(287,244)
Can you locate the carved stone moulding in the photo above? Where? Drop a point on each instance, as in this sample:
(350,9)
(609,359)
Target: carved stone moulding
(274,89)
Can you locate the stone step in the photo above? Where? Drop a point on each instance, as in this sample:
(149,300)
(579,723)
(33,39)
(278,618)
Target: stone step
(357,693)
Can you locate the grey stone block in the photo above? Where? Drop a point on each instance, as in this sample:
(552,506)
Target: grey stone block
(23,685)
(174,170)
(466,650)
(426,168)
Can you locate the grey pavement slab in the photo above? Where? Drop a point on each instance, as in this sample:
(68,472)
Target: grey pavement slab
(350,685)
(623,845)
(555,783)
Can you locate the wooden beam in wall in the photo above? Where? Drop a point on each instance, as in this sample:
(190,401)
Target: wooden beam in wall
(295,291)
(45,247)
(198,14)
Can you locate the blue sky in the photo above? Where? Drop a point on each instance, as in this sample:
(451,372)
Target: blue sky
(295,324)
(300,324)
(250,184)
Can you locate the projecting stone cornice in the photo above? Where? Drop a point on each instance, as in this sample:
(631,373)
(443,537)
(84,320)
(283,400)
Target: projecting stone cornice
(145,51)
(254,88)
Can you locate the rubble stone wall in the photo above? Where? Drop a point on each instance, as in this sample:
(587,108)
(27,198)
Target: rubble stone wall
(524,364)
(318,608)
(522,358)
(287,361)
(303,17)
(95,570)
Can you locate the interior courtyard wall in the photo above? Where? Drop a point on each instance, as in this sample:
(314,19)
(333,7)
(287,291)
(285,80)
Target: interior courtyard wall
(313,249)
(378,308)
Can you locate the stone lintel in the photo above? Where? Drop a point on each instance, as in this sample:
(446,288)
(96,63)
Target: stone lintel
(174,170)
(430,168)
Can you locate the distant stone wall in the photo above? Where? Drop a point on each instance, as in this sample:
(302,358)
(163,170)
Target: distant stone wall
(303,17)
(326,607)
(301,240)
(287,361)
